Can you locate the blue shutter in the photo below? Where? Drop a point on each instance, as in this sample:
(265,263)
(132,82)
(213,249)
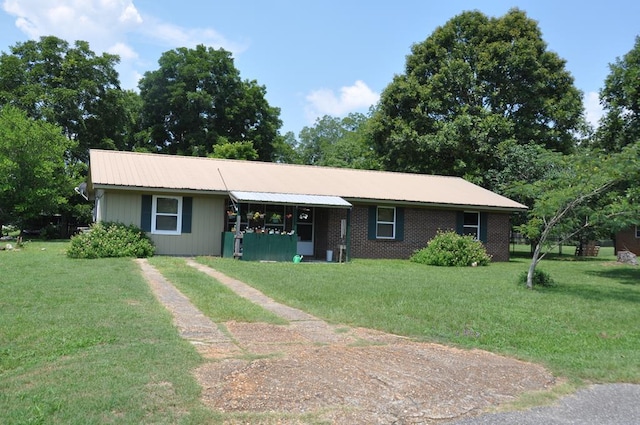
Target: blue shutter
(372,222)
(187,212)
(483,226)
(145,213)
(460,222)
(399,224)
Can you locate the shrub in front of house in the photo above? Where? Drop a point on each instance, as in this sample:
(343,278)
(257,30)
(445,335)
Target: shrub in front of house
(104,240)
(451,249)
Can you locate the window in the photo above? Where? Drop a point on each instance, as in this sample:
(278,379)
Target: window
(637,231)
(471,224)
(386,223)
(166,215)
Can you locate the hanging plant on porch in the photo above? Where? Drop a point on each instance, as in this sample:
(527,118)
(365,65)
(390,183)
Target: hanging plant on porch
(276,218)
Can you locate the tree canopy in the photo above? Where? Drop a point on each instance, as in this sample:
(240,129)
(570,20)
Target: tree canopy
(474,87)
(68,86)
(620,99)
(196,100)
(337,142)
(33,174)
(579,196)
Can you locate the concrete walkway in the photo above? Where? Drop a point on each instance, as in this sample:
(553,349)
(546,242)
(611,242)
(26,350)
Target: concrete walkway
(253,295)
(191,323)
(202,332)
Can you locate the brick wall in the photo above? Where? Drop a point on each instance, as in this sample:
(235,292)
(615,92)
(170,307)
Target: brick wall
(626,241)
(498,235)
(420,225)
(334,216)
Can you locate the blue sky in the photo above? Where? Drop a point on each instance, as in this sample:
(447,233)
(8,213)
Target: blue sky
(316,58)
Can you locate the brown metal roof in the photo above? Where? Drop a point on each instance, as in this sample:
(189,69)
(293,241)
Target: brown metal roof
(131,170)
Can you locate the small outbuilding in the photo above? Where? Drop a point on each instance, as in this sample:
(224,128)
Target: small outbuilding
(628,240)
(270,211)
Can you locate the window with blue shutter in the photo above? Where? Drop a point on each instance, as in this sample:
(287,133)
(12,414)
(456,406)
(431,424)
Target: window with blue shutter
(385,223)
(472,223)
(166,215)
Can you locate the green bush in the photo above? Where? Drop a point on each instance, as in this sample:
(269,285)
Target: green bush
(540,278)
(111,240)
(451,249)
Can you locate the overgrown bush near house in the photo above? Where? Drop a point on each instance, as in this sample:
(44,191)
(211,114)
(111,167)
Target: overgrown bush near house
(451,249)
(111,240)
(540,278)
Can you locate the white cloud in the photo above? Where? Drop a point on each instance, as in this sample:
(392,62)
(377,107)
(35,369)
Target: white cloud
(593,108)
(352,98)
(109,26)
(173,36)
(103,23)
(124,51)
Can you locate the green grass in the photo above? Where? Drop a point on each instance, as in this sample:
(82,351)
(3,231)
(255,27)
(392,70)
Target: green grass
(85,342)
(584,328)
(214,299)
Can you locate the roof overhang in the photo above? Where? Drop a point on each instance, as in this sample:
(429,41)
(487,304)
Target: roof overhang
(392,202)
(290,199)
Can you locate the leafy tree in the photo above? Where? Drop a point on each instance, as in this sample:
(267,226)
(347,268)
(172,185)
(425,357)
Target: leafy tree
(471,90)
(620,98)
(236,150)
(33,176)
(579,196)
(69,86)
(284,149)
(337,142)
(196,99)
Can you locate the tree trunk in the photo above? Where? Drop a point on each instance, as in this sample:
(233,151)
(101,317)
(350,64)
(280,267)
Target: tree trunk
(534,263)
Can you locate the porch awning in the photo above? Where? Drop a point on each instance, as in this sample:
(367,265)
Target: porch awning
(290,199)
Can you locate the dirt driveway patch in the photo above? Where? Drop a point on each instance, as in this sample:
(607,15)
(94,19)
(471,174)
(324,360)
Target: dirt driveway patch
(310,371)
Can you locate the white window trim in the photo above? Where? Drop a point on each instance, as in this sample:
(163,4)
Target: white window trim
(393,223)
(464,226)
(154,214)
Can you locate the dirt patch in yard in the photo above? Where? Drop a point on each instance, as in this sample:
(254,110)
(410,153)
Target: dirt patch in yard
(313,372)
(361,377)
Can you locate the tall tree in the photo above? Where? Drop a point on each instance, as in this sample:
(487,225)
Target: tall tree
(620,98)
(284,149)
(33,173)
(475,85)
(69,86)
(337,142)
(196,99)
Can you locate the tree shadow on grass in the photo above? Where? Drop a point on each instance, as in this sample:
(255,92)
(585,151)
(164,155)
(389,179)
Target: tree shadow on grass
(618,289)
(556,257)
(598,293)
(621,274)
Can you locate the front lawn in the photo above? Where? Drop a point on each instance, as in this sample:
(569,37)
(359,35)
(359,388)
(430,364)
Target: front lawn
(585,328)
(85,342)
